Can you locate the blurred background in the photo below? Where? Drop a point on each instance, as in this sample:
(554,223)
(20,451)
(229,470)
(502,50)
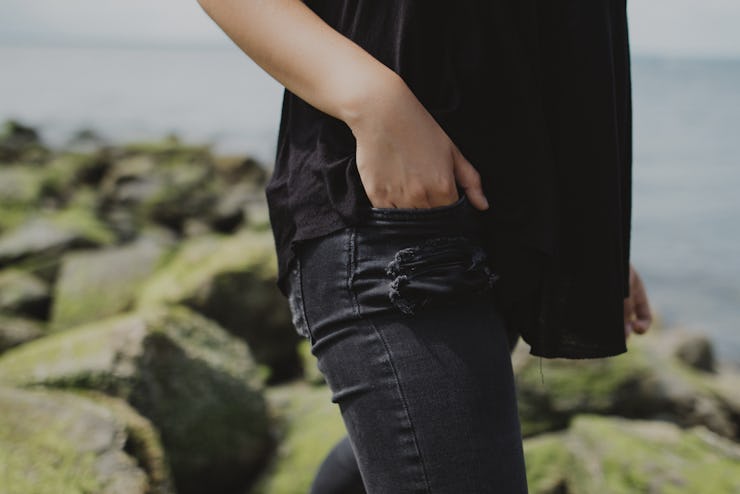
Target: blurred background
(116,115)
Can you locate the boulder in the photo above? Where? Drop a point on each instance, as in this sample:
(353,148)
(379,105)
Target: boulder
(308,425)
(311,372)
(613,455)
(19,142)
(20,186)
(39,242)
(649,381)
(164,185)
(197,384)
(67,171)
(24,294)
(231,279)
(53,442)
(94,284)
(15,331)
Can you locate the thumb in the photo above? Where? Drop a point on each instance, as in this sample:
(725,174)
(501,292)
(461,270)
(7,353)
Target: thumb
(468,178)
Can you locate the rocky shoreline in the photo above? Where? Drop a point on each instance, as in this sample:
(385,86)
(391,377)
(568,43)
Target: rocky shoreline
(144,348)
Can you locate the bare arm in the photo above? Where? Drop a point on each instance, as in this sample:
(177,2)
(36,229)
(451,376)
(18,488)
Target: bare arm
(297,48)
(404,158)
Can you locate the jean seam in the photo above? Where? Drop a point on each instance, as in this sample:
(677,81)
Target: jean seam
(351,269)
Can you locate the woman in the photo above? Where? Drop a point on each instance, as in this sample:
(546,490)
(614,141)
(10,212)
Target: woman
(449,176)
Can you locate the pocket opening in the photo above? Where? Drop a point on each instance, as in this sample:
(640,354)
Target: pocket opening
(422,211)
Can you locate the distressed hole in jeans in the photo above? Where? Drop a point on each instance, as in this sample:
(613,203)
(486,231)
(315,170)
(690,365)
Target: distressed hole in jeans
(439,270)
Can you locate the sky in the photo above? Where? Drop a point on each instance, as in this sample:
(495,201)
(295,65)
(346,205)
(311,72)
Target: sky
(705,28)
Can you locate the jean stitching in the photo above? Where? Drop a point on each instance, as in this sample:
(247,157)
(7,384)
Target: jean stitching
(351,267)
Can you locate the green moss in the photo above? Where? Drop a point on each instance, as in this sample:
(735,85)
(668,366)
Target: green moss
(231,279)
(56,465)
(13,216)
(183,372)
(620,456)
(572,386)
(170,148)
(311,371)
(143,442)
(69,169)
(20,185)
(548,461)
(83,221)
(53,442)
(100,283)
(309,425)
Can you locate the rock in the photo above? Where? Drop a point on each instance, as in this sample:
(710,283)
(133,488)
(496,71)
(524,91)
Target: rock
(231,279)
(233,169)
(143,443)
(311,372)
(40,241)
(617,455)
(197,384)
(21,186)
(15,331)
(308,425)
(12,217)
(165,184)
(24,294)
(94,284)
(229,210)
(691,347)
(53,442)
(646,382)
(19,142)
(85,140)
(68,171)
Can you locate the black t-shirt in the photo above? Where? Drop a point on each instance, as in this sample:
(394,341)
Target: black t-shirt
(536,94)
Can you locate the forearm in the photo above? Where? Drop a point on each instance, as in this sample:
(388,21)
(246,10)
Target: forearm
(306,55)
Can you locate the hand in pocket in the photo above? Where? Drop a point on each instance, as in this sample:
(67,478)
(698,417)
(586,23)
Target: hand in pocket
(406,160)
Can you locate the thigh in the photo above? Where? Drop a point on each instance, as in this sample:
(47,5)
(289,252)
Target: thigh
(414,351)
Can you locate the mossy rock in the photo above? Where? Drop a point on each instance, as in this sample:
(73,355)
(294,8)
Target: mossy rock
(194,381)
(13,217)
(15,331)
(311,372)
(67,171)
(24,294)
(231,279)
(94,284)
(168,150)
(646,382)
(166,185)
(55,442)
(19,142)
(308,426)
(39,242)
(21,186)
(614,455)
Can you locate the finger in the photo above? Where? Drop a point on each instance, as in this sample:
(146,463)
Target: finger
(643,314)
(628,313)
(469,179)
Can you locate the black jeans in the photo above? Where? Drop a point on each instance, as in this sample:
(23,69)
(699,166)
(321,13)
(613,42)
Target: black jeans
(399,313)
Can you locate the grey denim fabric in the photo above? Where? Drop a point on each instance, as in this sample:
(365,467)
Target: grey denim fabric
(421,372)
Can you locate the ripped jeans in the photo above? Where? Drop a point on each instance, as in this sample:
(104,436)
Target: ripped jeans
(399,313)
